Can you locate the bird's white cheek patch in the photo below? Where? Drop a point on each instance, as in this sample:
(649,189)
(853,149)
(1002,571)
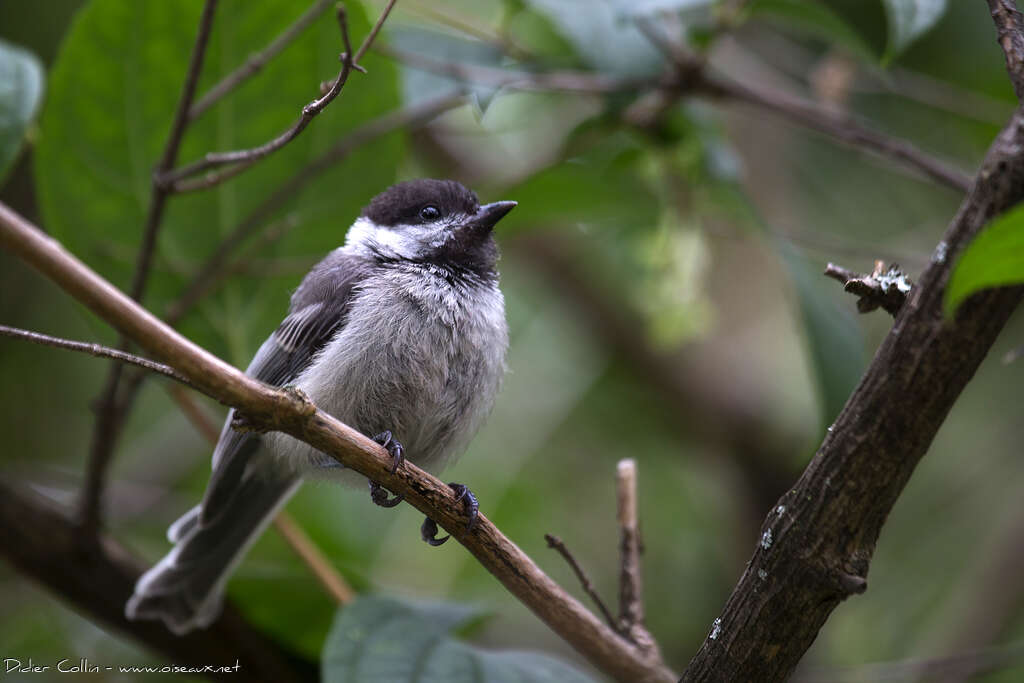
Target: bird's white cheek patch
(402,241)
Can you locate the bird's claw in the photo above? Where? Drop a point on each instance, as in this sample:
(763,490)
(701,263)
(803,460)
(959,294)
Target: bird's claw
(469,502)
(379,495)
(428,530)
(393,447)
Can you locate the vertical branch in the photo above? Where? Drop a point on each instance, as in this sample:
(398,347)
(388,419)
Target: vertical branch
(110,410)
(631,603)
(631,606)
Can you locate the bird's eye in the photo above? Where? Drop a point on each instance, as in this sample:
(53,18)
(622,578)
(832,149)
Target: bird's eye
(430,213)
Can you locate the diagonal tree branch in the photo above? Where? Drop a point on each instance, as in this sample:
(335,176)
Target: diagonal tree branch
(836,125)
(288,411)
(691,75)
(97,579)
(816,544)
(109,406)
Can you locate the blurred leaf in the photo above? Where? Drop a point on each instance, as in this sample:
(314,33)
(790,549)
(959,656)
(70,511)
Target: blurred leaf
(818,20)
(21,89)
(114,88)
(993,259)
(538,34)
(908,20)
(420,84)
(670,289)
(605,38)
(600,187)
(834,339)
(382,639)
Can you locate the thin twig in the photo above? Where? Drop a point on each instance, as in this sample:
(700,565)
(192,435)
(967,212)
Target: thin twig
(631,604)
(631,595)
(372,35)
(257,60)
(195,415)
(289,411)
(692,75)
(97,350)
(297,539)
(110,407)
(837,125)
(303,546)
(588,588)
(1010,32)
(210,272)
(240,160)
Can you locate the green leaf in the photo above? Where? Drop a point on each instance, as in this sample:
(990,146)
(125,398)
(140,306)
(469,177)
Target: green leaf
(994,258)
(21,89)
(909,20)
(382,639)
(113,91)
(815,19)
(834,339)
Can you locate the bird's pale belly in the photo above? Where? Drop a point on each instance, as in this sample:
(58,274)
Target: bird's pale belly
(429,379)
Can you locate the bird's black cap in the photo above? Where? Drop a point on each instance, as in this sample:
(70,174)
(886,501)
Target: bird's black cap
(402,204)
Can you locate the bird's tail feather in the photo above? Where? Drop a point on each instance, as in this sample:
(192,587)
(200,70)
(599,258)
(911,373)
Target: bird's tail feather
(185,588)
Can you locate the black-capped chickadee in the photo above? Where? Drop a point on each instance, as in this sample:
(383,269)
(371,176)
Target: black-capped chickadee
(401,334)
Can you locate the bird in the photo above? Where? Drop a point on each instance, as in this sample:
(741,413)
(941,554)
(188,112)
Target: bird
(399,333)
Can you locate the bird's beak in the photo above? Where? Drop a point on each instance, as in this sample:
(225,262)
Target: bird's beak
(490,214)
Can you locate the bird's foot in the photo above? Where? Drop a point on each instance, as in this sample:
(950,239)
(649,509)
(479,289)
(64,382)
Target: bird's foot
(428,530)
(379,495)
(394,449)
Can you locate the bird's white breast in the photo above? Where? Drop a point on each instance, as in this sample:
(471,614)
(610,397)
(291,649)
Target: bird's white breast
(421,355)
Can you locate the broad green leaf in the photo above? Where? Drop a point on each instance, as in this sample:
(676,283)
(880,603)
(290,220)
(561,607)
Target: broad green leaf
(382,639)
(908,20)
(834,339)
(21,89)
(113,92)
(994,258)
(816,19)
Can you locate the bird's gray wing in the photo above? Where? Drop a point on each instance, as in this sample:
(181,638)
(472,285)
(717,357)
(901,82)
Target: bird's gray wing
(319,309)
